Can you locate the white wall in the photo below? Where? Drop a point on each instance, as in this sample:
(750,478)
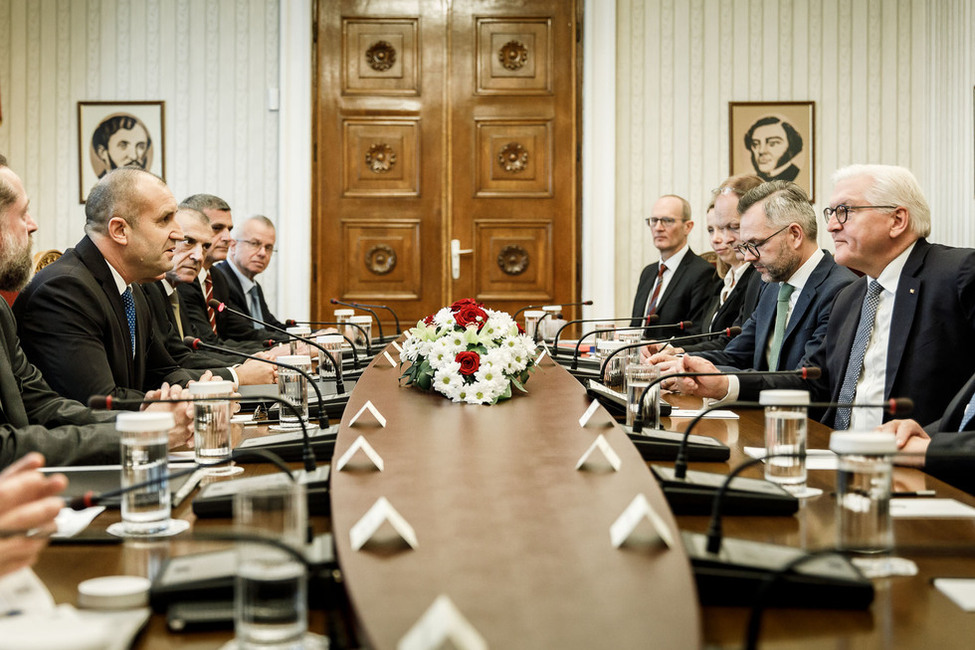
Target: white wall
(212,62)
(892,81)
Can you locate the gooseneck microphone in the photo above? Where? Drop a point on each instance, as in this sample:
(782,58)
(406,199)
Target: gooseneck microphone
(364,306)
(221,306)
(684,324)
(292,322)
(555,341)
(196,344)
(107,402)
(729,331)
(355,355)
(804,373)
(379,325)
(584,303)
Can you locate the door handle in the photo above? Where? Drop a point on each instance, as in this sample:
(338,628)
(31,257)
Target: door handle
(455,252)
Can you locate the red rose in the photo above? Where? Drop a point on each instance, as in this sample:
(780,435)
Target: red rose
(428,320)
(471,314)
(463,302)
(469,362)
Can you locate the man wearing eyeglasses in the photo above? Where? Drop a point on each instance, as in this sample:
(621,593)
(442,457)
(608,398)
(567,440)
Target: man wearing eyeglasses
(778,233)
(249,255)
(680,285)
(906,329)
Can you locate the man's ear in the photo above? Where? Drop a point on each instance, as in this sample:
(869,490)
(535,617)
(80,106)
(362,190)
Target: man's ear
(900,222)
(119,230)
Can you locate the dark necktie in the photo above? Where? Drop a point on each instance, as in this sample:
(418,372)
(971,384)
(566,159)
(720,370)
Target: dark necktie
(174,304)
(854,368)
(129,305)
(652,307)
(208,294)
(781,320)
(255,306)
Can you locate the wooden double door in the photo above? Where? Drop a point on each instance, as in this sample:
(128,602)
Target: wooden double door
(446,154)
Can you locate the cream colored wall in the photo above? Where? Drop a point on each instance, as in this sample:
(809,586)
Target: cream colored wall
(214,63)
(892,81)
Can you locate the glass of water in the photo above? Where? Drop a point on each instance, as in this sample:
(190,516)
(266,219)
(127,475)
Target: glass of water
(532,316)
(638,378)
(293,386)
(863,486)
(294,344)
(785,440)
(271,600)
(211,427)
(361,337)
(144,444)
(332,343)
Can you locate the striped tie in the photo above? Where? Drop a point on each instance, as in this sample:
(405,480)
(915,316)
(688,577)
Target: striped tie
(858,351)
(208,292)
(652,307)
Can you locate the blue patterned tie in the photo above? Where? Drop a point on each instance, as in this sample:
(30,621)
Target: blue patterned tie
(129,304)
(969,413)
(854,368)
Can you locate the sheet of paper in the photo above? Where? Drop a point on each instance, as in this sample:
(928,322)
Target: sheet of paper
(397,347)
(71,522)
(821,459)
(584,420)
(638,510)
(389,358)
(930,509)
(372,409)
(360,444)
(381,511)
(721,414)
(442,625)
(608,453)
(961,591)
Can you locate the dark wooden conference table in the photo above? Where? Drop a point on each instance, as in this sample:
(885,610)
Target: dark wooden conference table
(520,540)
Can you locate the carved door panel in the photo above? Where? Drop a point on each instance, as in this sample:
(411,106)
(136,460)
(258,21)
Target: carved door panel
(512,125)
(444,126)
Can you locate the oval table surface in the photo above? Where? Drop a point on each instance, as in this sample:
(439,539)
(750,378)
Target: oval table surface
(506,526)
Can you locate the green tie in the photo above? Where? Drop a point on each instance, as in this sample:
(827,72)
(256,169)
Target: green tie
(781,319)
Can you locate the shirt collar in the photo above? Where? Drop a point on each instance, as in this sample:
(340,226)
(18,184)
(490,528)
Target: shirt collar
(168,287)
(801,276)
(674,260)
(245,283)
(119,281)
(891,274)
(733,275)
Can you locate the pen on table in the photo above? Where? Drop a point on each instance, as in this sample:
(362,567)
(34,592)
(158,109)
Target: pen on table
(914,493)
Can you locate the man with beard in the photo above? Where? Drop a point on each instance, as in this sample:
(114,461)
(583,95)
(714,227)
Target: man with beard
(774,144)
(33,417)
(121,141)
(778,234)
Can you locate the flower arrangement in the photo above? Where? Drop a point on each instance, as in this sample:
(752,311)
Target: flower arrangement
(468,353)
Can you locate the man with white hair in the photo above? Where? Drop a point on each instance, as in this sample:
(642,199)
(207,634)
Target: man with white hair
(905,329)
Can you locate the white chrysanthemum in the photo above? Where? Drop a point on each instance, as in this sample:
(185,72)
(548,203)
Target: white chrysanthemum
(447,381)
(444,317)
(499,358)
(479,393)
(411,349)
(443,353)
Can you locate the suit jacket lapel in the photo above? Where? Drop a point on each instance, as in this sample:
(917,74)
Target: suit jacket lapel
(816,278)
(98,267)
(902,317)
(675,282)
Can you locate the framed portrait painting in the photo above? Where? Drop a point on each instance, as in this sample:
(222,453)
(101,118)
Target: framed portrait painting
(119,134)
(774,140)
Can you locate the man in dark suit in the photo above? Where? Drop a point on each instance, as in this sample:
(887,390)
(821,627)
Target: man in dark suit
(224,325)
(679,286)
(946,447)
(920,338)
(32,416)
(778,234)
(249,254)
(168,312)
(83,320)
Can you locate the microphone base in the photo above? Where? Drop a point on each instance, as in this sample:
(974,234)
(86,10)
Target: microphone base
(217,499)
(694,494)
(734,576)
(289,445)
(657,444)
(615,402)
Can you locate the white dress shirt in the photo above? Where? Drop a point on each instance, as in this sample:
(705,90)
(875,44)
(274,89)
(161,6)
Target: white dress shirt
(671,263)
